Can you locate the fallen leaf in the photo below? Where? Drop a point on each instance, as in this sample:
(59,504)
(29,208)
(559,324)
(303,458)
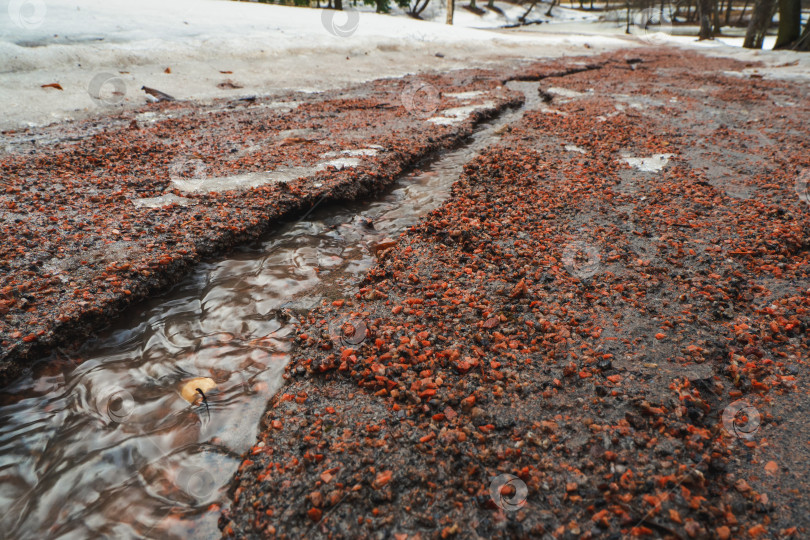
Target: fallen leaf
(189,388)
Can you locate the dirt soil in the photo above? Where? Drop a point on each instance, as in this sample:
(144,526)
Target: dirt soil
(577,344)
(98,215)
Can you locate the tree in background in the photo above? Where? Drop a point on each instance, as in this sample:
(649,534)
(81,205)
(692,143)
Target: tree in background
(803,43)
(451,5)
(384,6)
(760,20)
(705,7)
(417,7)
(790,23)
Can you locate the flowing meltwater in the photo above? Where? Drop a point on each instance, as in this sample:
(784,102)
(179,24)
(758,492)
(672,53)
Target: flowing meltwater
(111,447)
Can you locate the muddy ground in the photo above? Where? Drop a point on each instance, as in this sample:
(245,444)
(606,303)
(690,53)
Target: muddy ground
(603,333)
(611,309)
(98,215)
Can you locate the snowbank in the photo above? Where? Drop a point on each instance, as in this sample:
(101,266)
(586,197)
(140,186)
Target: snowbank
(246,48)
(204,49)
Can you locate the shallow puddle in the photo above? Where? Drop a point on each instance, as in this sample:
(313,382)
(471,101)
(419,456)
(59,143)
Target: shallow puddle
(103,443)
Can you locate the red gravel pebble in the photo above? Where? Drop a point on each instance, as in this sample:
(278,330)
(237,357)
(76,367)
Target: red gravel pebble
(532,304)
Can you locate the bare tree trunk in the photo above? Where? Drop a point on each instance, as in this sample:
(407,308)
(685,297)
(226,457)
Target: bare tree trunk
(339,4)
(548,13)
(416,9)
(705,19)
(716,18)
(491,4)
(790,23)
(760,20)
(728,11)
(472,4)
(522,18)
(627,19)
(451,5)
(803,43)
(742,15)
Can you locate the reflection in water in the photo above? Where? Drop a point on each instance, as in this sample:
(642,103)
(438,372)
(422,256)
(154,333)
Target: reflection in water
(102,443)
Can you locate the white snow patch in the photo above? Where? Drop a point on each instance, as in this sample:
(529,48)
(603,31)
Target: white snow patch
(565,92)
(283,106)
(340,163)
(575,148)
(161,201)
(267,49)
(549,110)
(649,164)
(463,96)
(354,153)
(458,114)
(256,179)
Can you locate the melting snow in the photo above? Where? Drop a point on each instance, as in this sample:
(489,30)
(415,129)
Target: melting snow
(457,114)
(565,92)
(158,202)
(256,179)
(649,164)
(354,153)
(465,95)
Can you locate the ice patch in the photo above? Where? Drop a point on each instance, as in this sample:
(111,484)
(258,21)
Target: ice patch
(649,164)
(353,153)
(565,92)
(575,148)
(256,179)
(159,202)
(442,121)
(340,163)
(458,114)
(465,95)
(283,106)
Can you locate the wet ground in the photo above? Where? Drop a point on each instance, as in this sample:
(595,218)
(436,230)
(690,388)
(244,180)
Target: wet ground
(602,333)
(99,215)
(163,459)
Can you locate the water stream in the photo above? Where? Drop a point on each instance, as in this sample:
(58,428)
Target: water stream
(101,443)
